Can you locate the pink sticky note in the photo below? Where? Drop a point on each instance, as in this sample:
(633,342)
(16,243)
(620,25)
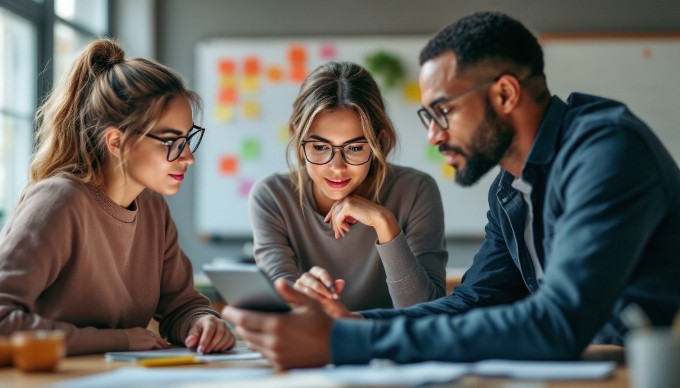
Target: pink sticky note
(244,187)
(328,52)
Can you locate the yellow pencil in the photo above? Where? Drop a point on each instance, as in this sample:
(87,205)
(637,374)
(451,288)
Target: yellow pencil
(169,361)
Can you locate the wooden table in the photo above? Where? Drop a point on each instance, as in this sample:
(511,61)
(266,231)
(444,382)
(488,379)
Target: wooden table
(80,366)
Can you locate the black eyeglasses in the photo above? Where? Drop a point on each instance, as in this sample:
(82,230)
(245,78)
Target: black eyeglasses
(437,114)
(176,146)
(320,152)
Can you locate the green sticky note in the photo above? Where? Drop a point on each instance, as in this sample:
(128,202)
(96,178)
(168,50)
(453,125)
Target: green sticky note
(432,154)
(250,149)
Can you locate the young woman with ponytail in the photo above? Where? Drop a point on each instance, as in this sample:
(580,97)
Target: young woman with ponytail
(91,248)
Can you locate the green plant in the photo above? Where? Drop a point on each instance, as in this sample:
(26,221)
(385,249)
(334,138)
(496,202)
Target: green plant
(386,67)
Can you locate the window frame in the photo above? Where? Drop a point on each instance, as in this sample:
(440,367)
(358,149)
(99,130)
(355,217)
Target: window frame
(44,20)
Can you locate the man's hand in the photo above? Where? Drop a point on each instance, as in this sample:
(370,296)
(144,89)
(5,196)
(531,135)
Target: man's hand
(209,334)
(297,339)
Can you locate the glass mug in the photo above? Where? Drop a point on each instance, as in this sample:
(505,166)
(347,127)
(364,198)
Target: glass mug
(39,350)
(5,351)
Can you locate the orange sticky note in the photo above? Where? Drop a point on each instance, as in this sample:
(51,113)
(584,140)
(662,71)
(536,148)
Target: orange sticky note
(227,96)
(251,66)
(298,74)
(297,55)
(228,165)
(274,74)
(226,66)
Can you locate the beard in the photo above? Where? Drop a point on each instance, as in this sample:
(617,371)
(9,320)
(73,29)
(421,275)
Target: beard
(489,145)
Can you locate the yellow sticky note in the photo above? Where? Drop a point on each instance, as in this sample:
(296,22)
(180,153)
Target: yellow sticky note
(250,84)
(284,134)
(448,171)
(251,110)
(227,82)
(412,92)
(224,113)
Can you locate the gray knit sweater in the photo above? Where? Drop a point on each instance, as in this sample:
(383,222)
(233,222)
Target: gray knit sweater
(409,269)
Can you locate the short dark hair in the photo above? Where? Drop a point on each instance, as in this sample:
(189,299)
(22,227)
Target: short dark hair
(488,38)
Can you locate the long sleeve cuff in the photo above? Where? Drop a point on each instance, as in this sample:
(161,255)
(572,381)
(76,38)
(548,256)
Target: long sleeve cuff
(189,322)
(89,340)
(350,341)
(399,265)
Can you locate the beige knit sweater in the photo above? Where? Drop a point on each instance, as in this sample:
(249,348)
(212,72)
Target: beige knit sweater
(72,259)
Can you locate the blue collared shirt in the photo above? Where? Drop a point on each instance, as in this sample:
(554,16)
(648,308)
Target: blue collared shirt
(606,202)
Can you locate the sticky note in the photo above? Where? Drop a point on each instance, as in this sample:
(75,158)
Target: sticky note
(224,113)
(297,55)
(226,67)
(274,74)
(250,149)
(412,92)
(432,154)
(448,171)
(227,96)
(298,74)
(328,52)
(228,165)
(227,81)
(250,110)
(250,84)
(244,187)
(251,66)
(284,134)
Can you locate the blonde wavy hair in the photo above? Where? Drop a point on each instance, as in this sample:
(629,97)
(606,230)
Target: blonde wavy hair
(101,90)
(342,85)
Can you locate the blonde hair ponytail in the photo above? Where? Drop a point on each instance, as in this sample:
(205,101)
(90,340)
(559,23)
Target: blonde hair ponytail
(101,90)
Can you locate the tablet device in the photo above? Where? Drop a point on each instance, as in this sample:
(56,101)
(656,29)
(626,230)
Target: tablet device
(245,286)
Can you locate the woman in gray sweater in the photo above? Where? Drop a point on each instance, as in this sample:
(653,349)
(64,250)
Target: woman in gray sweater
(345,224)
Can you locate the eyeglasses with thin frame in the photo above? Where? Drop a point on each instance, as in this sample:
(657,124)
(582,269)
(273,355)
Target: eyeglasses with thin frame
(176,145)
(320,152)
(437,114)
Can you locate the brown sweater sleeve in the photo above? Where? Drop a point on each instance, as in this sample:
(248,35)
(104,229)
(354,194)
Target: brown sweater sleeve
(35,247)
(180,303)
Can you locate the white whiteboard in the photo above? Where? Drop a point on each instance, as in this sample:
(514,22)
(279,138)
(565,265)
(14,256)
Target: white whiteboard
(642,72)
(246,119)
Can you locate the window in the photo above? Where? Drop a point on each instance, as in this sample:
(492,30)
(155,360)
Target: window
(17,104)
(77,22)
(38,41)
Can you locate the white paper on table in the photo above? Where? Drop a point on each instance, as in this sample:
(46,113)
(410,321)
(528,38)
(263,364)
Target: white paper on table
(130,377)
(400,375)
(545,370)
(440,372)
